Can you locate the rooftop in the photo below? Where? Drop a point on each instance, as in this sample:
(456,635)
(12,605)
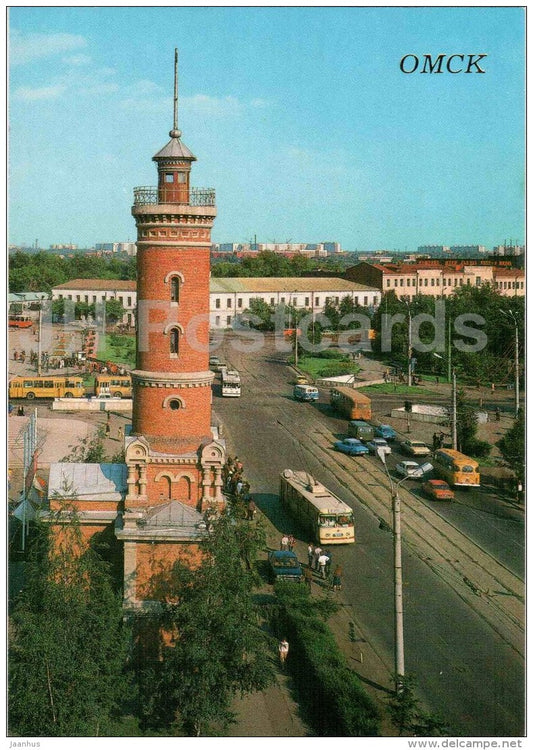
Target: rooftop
(285,284)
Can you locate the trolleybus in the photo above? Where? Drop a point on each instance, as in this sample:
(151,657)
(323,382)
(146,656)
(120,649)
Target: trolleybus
(323,515)
(231,382)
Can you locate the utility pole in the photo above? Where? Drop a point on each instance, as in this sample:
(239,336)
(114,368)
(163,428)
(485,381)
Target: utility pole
(449,363)
(399,664)
(454,410)
(39,334)
(510,314)
(516,370)
(409,348)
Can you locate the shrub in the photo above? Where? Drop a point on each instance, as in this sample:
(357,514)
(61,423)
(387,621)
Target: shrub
(336,702)
(339,368)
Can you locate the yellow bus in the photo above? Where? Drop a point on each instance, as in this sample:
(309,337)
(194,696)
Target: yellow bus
(323,515)
(118,386)
(456,468)
(350,403)
(47,386)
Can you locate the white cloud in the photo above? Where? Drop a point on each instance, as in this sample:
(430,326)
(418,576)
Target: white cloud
(24,48)
(44,92)
(78,60)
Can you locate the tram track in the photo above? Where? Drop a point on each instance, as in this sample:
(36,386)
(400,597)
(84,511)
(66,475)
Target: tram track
(491,589)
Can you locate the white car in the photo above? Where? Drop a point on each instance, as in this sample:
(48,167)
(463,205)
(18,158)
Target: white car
(413,470)
(381,444)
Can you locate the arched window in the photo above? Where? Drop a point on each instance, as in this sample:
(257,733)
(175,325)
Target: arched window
(174,341)
(175,289)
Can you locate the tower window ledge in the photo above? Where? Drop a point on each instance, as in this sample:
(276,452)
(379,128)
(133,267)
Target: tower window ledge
(174,356)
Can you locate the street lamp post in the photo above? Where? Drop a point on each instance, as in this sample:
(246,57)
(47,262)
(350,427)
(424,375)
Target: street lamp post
(510,314)
(399,658)
(409,344)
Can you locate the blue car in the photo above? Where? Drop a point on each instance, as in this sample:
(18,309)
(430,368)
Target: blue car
(284,566)
(351,446)
(385,431)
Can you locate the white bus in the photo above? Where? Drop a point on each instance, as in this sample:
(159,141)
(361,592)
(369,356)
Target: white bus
(231,382)
(325,516)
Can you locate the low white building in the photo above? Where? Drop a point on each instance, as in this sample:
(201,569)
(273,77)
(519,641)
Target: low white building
(230,297)
(99,291)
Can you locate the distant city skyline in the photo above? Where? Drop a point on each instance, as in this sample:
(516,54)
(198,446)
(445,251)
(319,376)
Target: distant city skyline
(301,119)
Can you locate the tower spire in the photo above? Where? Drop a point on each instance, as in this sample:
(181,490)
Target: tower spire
(175,133)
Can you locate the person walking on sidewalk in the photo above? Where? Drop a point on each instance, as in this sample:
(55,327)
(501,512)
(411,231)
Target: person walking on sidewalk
(284,543)
(318,552)
(322,560)
(310,554)
(283,650)
(337,578)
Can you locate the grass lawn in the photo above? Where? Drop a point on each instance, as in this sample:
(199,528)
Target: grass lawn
(312,366)
(400,388)
(117,348)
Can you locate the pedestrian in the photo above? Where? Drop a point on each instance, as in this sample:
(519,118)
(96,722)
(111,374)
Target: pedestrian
(322,560)
(318,552)
(498,414)
(15,355)
(310,554)
(284,544)
(328,563)
(337,578)
(308,577)
(283,650)
(20,411)
(252,510)
(107,429)
(120,432)
(441,440)
(292,542)
(435,441)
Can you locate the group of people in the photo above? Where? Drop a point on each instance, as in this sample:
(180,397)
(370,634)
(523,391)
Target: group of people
(320,560)
(438,440)
(236,485)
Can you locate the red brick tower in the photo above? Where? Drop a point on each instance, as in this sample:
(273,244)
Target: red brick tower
(174,461)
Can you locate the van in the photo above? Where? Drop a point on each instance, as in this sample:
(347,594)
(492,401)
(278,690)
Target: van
(360,430)
(305,393)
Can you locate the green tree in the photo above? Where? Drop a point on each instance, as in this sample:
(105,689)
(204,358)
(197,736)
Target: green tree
(88,450)
(68,644)
(219,648)
(513,446)
(407,715)
(467,426)
(114,310)
(261,310)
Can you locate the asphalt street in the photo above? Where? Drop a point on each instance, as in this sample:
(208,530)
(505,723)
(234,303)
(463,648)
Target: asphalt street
(467,672)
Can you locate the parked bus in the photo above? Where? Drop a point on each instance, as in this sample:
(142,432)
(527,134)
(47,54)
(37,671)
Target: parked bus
(456,468)
(231,382)
(20,321)
(48,386)
(350,403)
(324,516)
(118,386)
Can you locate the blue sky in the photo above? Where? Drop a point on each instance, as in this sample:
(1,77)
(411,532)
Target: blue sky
(300,118)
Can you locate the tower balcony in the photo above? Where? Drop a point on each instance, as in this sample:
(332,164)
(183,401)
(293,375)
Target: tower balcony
(148,196)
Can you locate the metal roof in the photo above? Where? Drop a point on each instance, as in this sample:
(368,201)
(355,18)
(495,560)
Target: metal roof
(88,481)
(286,284)
(175,149)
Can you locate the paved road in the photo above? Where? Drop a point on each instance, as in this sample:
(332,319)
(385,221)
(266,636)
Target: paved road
(467,671)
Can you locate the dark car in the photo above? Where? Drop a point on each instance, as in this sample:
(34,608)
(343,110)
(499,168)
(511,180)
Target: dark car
(284,566)
(385,431)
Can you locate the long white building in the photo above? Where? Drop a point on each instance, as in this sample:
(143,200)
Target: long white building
(229,297)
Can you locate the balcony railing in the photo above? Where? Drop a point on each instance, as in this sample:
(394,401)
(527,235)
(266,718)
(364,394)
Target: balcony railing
(148,196)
